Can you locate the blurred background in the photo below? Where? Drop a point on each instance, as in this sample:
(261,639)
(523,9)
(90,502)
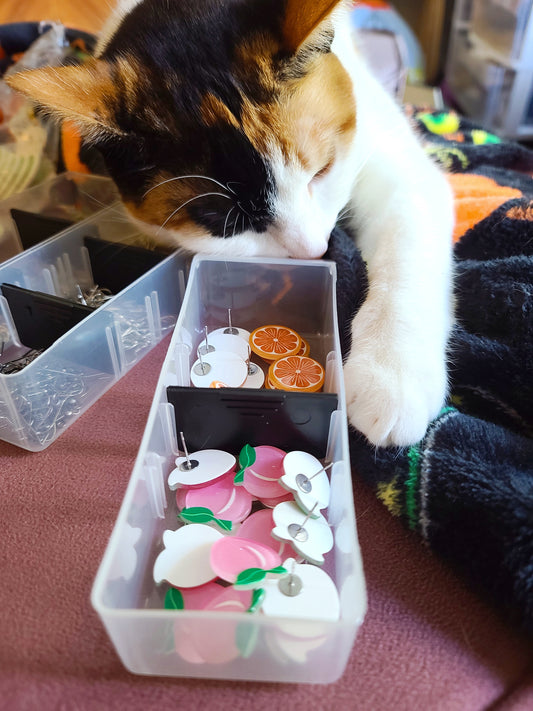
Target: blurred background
(88,15)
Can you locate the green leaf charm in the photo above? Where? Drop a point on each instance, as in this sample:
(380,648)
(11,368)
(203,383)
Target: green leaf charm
(246,459)
(201,514)
(223,523)
(280,570)
(250,577)
(174,600)
(258,596)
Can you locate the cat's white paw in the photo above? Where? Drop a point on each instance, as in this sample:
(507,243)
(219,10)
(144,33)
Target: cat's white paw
(393,388)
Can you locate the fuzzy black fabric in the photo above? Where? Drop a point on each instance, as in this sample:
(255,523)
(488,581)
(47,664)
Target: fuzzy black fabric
(467,487)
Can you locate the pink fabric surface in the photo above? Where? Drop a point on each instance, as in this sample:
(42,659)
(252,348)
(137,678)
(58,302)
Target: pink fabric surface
(427,642)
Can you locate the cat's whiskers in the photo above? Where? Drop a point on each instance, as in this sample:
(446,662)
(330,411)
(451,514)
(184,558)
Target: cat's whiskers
(183,204)
(242,210)
(226,221)
(348,211)
(233,182)
(235,226)
(189,177)
(105,206)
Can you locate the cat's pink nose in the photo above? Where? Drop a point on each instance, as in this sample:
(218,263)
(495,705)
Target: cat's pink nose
(300,241)
(308,250)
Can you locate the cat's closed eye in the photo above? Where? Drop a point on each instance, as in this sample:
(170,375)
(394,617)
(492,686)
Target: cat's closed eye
(323,171)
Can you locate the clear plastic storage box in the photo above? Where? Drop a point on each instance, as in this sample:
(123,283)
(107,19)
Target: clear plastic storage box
(483,87)
(236,645)
(58,201)
(490,64)
(83,351)
(502,25)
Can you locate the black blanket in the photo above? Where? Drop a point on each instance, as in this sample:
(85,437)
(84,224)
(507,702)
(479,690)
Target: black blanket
(467,487)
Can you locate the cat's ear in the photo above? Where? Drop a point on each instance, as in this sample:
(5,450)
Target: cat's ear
(82,94)
(302,18)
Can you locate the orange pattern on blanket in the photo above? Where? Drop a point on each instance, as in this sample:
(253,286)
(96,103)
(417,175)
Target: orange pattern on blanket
(522,212)
(476,196)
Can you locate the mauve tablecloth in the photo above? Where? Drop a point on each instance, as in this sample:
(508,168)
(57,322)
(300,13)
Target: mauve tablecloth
(427,642)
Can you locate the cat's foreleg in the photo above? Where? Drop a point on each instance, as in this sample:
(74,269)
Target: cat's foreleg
(395,376)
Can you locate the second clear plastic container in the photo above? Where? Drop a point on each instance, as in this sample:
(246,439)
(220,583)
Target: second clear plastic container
(501,24)
(69,197)
(40,401)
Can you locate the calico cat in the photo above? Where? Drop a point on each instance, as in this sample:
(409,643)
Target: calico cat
(243,128)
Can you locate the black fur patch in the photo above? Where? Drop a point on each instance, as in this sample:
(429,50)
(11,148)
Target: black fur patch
(188,47)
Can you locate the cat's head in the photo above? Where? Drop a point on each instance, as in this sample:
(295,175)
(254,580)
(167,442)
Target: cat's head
(226,124)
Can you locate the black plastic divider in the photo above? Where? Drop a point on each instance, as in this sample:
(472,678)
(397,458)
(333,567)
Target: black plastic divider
(41,319)
(115,266)
(33,228)
(229,418)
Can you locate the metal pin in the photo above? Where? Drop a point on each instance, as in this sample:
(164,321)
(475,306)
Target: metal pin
(190,463)
(205,348)
(79,293)
(303,482)
(231,329)
(252,367)
(98,296)
(291,584)
(298,531)
(94,297)
(201,368)
(53,399)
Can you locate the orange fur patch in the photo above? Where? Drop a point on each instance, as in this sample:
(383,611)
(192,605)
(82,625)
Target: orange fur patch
(213,110)
(77,93)
(302,19)
(253,62)
(162,199)
(311,120)
(165,203)
(85,95)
